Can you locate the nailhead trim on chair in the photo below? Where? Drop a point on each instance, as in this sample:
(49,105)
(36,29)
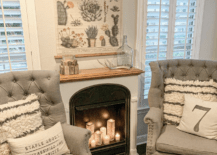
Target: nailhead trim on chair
(149,147)
(87,136)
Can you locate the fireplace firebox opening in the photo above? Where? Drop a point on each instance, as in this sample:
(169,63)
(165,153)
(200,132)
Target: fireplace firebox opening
(104,109)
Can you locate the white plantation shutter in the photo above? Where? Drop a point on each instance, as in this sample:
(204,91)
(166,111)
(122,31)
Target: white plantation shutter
(12,45)
(156,36)
(184,28)
(168,32)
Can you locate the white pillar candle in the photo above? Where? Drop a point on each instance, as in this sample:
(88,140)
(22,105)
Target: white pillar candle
(98,138)
(90,126)
(91,138)
(111,129)
(103,131)
(106,139)
(117,137)
(93,143)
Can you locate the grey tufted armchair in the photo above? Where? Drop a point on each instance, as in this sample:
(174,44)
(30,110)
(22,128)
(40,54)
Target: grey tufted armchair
(167,139)
(17,85)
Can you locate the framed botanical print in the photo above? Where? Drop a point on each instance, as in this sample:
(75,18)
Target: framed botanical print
(88,26)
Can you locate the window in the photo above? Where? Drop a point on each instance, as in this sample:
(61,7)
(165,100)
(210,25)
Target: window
(15,48)
(184,28)
(168,32)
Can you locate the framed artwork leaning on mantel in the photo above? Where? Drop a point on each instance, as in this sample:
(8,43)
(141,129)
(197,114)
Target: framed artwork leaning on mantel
(88,27)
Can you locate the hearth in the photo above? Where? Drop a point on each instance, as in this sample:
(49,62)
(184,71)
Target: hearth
(103,107)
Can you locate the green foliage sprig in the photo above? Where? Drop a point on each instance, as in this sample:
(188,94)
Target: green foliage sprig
(91,32)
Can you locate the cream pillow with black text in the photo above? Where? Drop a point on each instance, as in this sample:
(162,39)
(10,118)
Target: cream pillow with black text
(48,142)
(199,117)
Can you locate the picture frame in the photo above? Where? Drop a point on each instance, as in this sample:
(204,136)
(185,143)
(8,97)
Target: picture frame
(88,27)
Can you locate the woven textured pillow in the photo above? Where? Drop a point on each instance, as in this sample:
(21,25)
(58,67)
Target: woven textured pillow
(19,119)
(174,96)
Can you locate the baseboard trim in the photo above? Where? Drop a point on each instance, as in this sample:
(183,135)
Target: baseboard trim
(133,152)
(141,143)
(143,108)
(141,139)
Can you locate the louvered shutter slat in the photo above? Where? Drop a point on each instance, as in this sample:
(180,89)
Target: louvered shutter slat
(184,29)
(12,44)
(156,36)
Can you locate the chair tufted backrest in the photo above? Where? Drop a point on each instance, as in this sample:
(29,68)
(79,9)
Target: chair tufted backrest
(181,69)
(17,85)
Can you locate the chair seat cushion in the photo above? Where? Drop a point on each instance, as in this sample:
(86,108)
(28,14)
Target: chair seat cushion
(175,141)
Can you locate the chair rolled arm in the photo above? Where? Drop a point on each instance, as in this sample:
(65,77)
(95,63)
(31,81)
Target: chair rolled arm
(77,139)
(154,115)
(154,119)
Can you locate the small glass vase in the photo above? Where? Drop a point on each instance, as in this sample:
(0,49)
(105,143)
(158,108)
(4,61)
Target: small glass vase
(125,55)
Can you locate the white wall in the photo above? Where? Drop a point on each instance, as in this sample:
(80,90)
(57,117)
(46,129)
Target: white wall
(215,42)
(215,51)
(46,34)
(208,48)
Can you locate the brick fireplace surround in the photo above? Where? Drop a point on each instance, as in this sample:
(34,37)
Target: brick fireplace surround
(128,78)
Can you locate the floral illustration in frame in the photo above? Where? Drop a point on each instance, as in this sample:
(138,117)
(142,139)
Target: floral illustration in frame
(88,26)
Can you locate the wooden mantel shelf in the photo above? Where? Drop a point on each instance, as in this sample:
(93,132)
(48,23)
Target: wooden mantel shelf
(99,73)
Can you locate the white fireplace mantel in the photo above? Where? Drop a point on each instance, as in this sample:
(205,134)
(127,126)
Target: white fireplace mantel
(130,81)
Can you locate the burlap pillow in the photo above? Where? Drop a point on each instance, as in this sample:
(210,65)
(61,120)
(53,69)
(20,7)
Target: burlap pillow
(199,117)
(50,141)
(19,119)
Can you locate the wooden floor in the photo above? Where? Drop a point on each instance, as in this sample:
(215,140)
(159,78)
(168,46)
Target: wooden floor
(141,149)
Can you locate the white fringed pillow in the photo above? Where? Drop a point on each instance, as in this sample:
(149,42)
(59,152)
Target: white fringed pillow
(174,96)
(199,117)
(48,142)
(19,119)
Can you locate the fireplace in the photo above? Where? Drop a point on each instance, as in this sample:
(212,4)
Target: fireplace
(107,106)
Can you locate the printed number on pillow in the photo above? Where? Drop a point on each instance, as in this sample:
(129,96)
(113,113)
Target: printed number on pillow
(196,127)
(199,117)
